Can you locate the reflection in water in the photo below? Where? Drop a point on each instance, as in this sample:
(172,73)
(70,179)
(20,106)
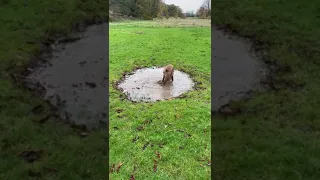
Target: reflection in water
(144,85)
(166,90)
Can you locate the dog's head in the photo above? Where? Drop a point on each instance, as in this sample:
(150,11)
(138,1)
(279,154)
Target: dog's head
(165,72)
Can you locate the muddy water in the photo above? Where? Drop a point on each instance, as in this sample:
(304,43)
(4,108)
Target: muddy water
(76,78)
(236,70)
(143,85)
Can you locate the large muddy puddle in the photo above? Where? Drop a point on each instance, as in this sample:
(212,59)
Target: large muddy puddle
(143,85)
(236,70)
(75,77)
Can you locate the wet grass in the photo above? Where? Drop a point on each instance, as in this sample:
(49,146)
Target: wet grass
(278,135)
(66,154)
(179,129)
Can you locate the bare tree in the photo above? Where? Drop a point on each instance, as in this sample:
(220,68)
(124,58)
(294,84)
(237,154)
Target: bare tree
(205,10)
(207,4)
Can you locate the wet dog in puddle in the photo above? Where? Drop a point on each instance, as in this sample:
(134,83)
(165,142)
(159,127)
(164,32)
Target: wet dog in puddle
(168,72)
(155,83)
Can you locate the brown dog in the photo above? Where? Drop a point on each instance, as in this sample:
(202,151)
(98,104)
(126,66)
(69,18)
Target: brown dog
(167,73)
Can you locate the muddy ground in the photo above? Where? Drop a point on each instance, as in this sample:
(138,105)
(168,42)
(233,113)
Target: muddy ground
(74,76)
(145,85)
(236,69)
(242,66)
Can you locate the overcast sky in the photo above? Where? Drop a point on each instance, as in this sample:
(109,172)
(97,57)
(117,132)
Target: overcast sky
(186,5)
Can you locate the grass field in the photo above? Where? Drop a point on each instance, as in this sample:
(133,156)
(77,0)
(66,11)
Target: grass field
(278,135)
(167,124)
(66,154)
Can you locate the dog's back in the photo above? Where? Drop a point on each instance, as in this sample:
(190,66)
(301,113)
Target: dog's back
(168,73)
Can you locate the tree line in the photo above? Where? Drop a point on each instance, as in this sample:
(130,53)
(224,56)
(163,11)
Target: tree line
(149,9)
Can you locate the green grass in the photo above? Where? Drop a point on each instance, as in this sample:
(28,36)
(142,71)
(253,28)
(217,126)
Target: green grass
(187,48)
(278,135)
(73,157)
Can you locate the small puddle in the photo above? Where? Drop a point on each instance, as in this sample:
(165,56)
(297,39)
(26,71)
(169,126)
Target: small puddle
(75,77)
(143,85)
(236,70)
